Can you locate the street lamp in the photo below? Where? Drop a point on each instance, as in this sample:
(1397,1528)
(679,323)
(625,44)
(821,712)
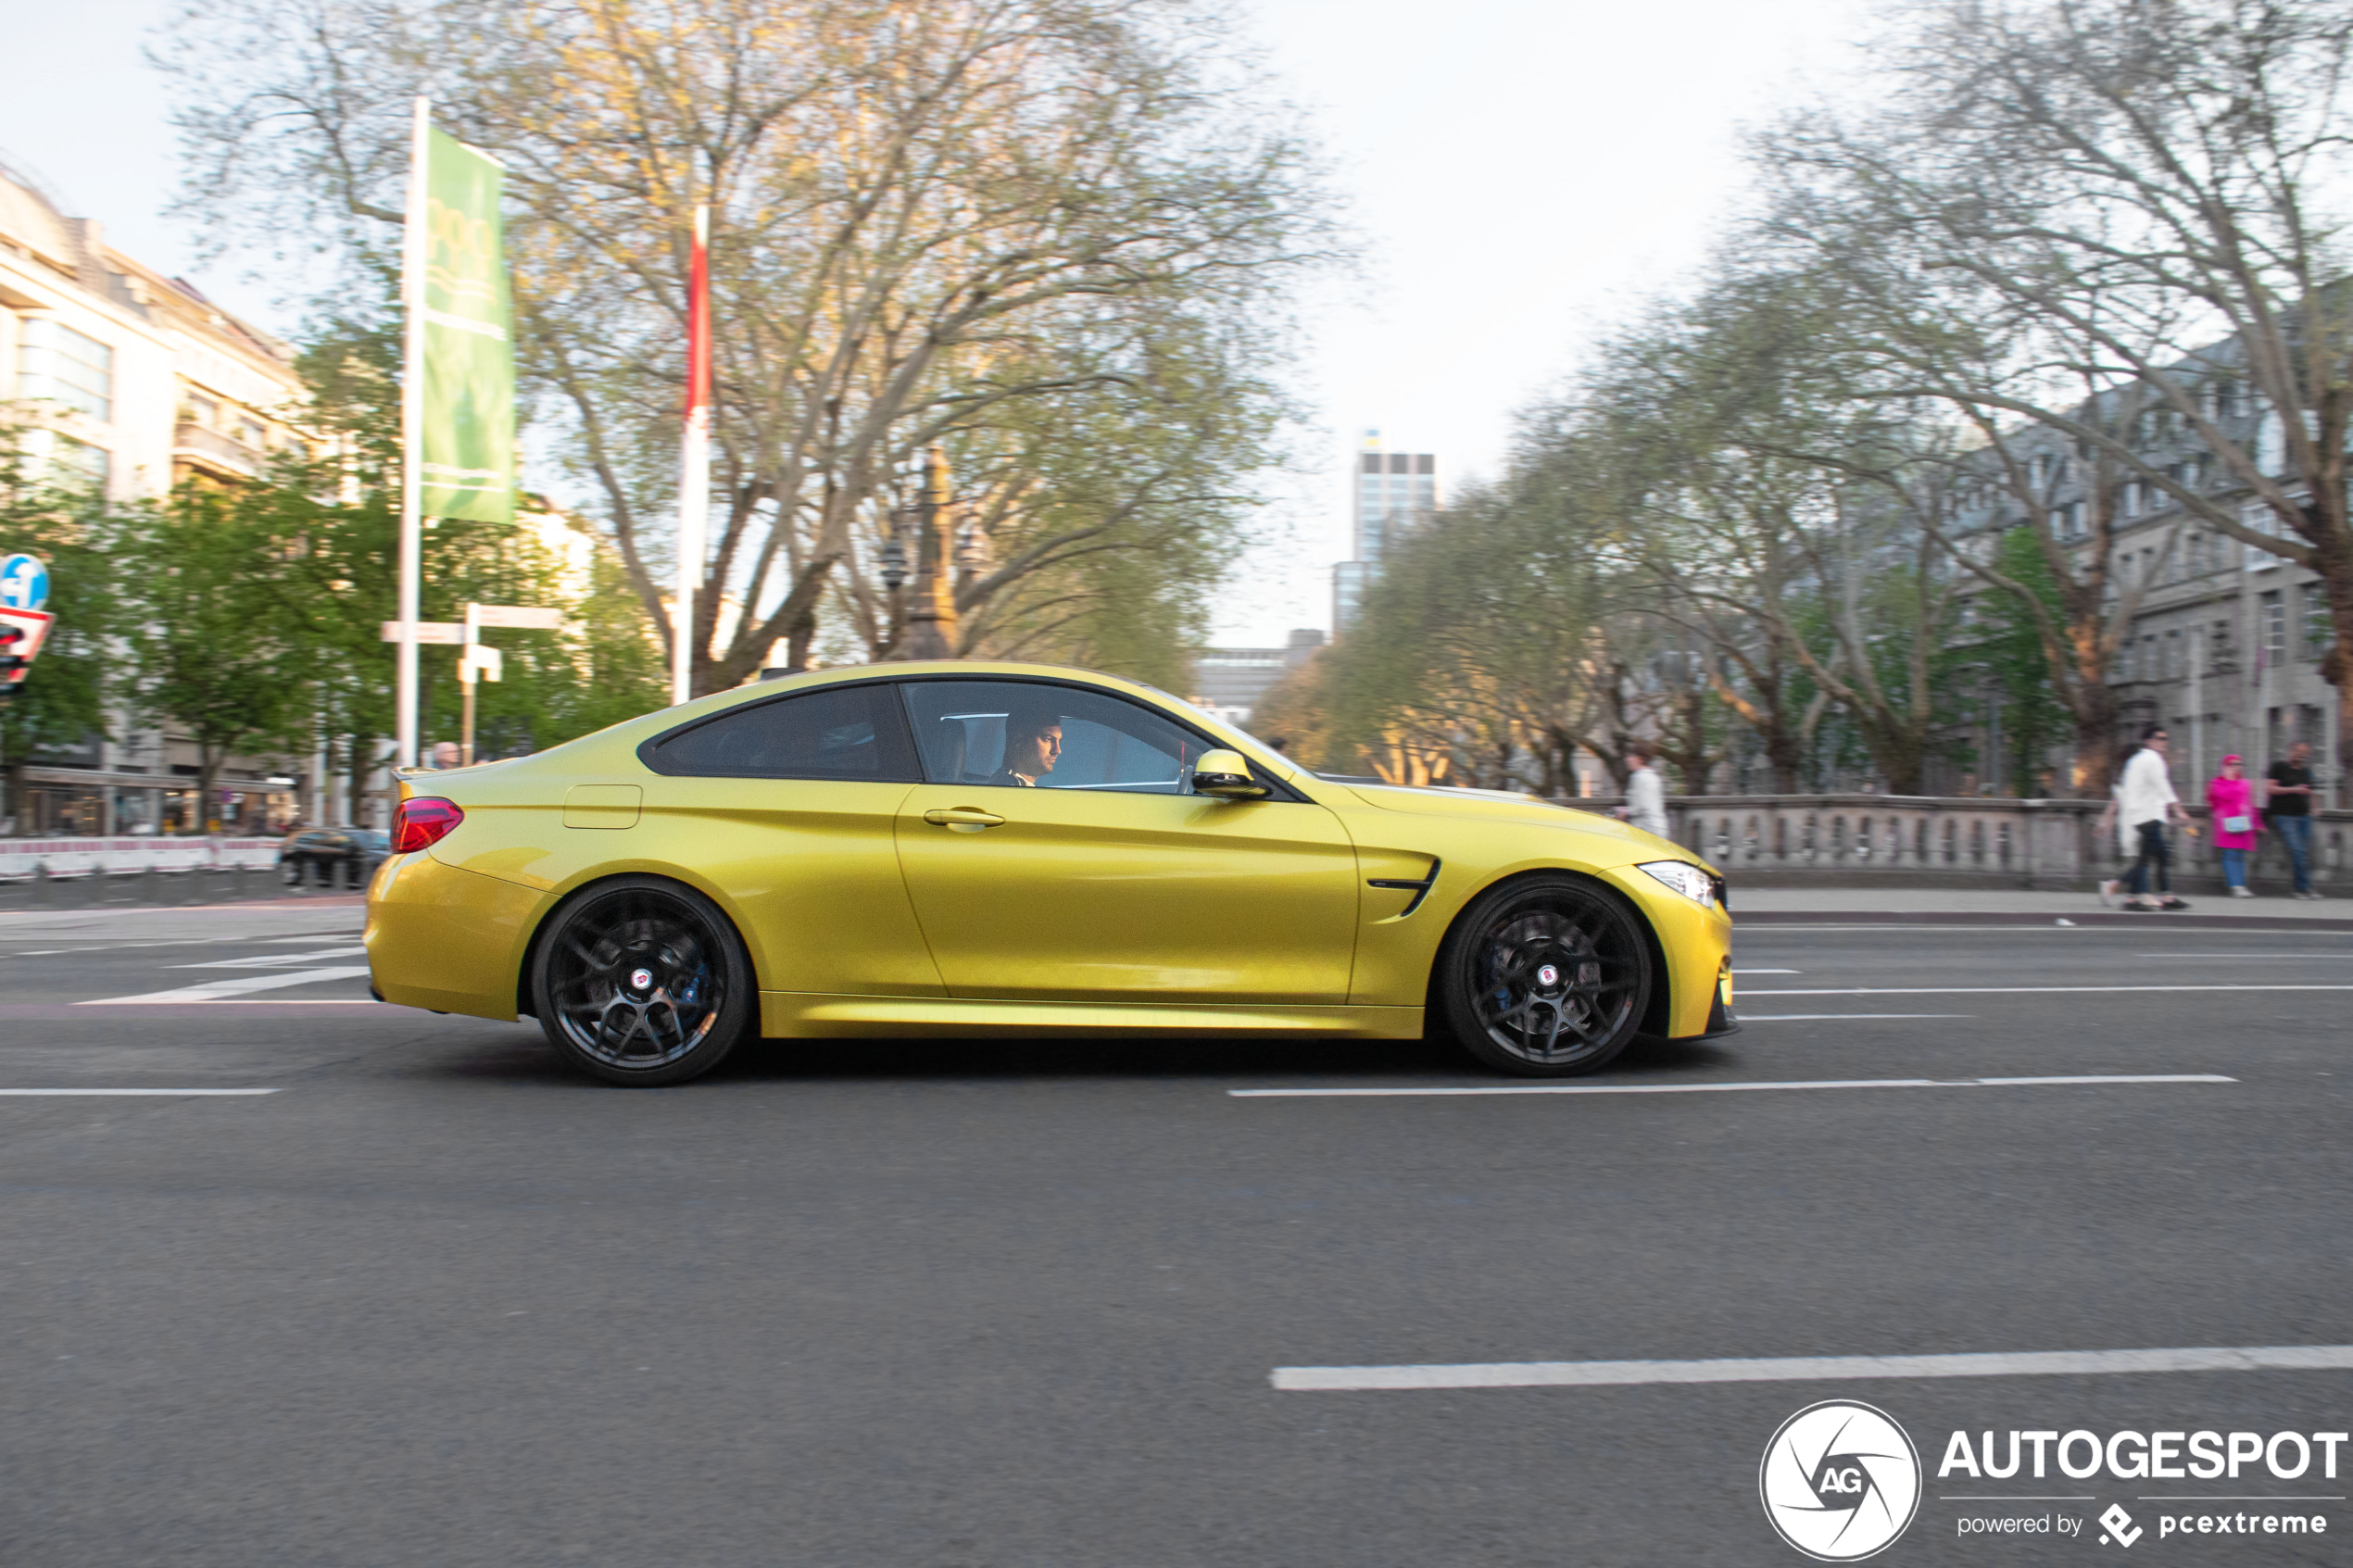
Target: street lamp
(894,561)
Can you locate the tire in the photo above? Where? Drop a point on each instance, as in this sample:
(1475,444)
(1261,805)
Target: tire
(1544,977)
(642,982)
(290,873)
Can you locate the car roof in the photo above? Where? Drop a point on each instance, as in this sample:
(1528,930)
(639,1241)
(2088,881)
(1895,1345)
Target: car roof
(968,669)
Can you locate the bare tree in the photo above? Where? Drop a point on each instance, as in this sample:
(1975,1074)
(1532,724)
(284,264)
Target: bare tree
(2121,201)
(996,224)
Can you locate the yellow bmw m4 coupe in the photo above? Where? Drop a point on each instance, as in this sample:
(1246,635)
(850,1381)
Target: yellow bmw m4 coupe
(990,849)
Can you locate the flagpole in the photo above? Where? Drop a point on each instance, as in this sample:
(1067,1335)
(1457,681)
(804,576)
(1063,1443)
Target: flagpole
(694,462)
(416,251)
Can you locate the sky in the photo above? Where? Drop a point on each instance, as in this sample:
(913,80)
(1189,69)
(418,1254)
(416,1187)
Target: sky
(1520,173)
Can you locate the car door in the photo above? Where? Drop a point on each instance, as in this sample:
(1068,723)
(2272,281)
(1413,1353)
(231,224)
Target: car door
(787,808)
(1095,874)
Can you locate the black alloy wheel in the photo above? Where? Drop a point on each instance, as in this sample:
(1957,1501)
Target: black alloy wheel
(642,982)
(1544,977)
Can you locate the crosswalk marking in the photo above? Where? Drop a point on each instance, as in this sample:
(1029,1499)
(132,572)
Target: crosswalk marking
(216,990)
(274,961)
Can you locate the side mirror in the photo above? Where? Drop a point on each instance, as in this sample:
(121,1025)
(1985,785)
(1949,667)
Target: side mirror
(1225,776)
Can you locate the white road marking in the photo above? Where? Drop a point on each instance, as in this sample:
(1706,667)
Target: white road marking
(200,1093)
(2292,957)
(1768,971)
(274,961)
(1808,1369)
(213,990)
(1827,1016)
(1728,1089)
(2027,990)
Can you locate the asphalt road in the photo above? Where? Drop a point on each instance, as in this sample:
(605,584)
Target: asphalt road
(435,1301)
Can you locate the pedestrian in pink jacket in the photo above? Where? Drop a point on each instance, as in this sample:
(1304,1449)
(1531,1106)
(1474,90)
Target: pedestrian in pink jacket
(2231,800)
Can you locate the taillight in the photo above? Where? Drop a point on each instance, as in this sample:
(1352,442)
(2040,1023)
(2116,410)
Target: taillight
(422,823)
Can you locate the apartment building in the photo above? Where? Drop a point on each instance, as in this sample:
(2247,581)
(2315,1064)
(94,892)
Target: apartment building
(2226,640)
(132,381)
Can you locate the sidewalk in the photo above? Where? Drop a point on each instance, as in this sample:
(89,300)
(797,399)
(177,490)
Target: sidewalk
(1980,906)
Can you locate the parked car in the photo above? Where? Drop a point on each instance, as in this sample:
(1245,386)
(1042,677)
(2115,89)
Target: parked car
(968,848)
(331,857)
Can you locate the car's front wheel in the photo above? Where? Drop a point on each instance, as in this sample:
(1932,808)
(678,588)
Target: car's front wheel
(642,982)
(1544,977)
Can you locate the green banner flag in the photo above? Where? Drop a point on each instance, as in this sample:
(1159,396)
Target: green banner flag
(468,456)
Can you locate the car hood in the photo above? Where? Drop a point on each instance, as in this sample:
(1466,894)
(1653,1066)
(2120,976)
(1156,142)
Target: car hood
(1499,806)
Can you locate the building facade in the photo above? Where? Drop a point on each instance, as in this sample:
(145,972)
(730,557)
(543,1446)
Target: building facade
(2225,639)
(124,379)
(1227,683)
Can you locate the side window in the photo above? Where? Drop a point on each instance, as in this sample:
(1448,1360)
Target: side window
(839,732)
(1031,736)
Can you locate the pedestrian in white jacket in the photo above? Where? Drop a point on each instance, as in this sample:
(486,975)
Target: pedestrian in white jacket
(1645,792)
(2142,804)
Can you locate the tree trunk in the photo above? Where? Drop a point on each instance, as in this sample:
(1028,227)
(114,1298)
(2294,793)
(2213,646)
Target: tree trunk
(797,643)
(207,769)
(359,764)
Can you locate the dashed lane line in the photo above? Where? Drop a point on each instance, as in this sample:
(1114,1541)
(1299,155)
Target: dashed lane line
(2027,990)
(1437,1090)
(1809,1369)
(1831,1016)
(103,1093)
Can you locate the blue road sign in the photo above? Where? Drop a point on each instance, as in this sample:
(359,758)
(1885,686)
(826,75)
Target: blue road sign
(24,584)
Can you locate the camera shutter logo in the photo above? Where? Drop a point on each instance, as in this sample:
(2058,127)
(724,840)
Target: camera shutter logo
(1839,1480)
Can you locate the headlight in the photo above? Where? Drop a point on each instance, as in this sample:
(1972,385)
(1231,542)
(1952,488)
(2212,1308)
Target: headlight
(1684,878)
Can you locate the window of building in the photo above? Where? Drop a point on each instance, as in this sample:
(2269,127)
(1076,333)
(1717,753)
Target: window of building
(2264,521)
(2320,631)
(63,366)
(204,411)
(55,458)
(79,463)
(2273,619)
(2172,656)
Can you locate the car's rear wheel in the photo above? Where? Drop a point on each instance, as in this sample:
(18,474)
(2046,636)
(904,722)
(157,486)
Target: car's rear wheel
(1544,977)
(642,982)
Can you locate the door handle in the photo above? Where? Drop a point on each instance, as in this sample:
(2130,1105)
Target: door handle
(964,819)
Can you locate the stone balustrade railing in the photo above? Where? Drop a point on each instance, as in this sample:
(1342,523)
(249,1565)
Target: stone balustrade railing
(1955,839)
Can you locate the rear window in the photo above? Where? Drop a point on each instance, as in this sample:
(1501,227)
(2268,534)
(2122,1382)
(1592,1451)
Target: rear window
(838,732)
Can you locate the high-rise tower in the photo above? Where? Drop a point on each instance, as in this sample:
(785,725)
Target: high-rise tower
(1391,492)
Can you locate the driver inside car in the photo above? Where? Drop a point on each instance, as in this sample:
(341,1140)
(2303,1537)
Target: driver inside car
(1033,744)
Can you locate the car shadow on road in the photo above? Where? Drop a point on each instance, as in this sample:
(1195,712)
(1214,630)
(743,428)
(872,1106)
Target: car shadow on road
(522,1057)
(1254,1059)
